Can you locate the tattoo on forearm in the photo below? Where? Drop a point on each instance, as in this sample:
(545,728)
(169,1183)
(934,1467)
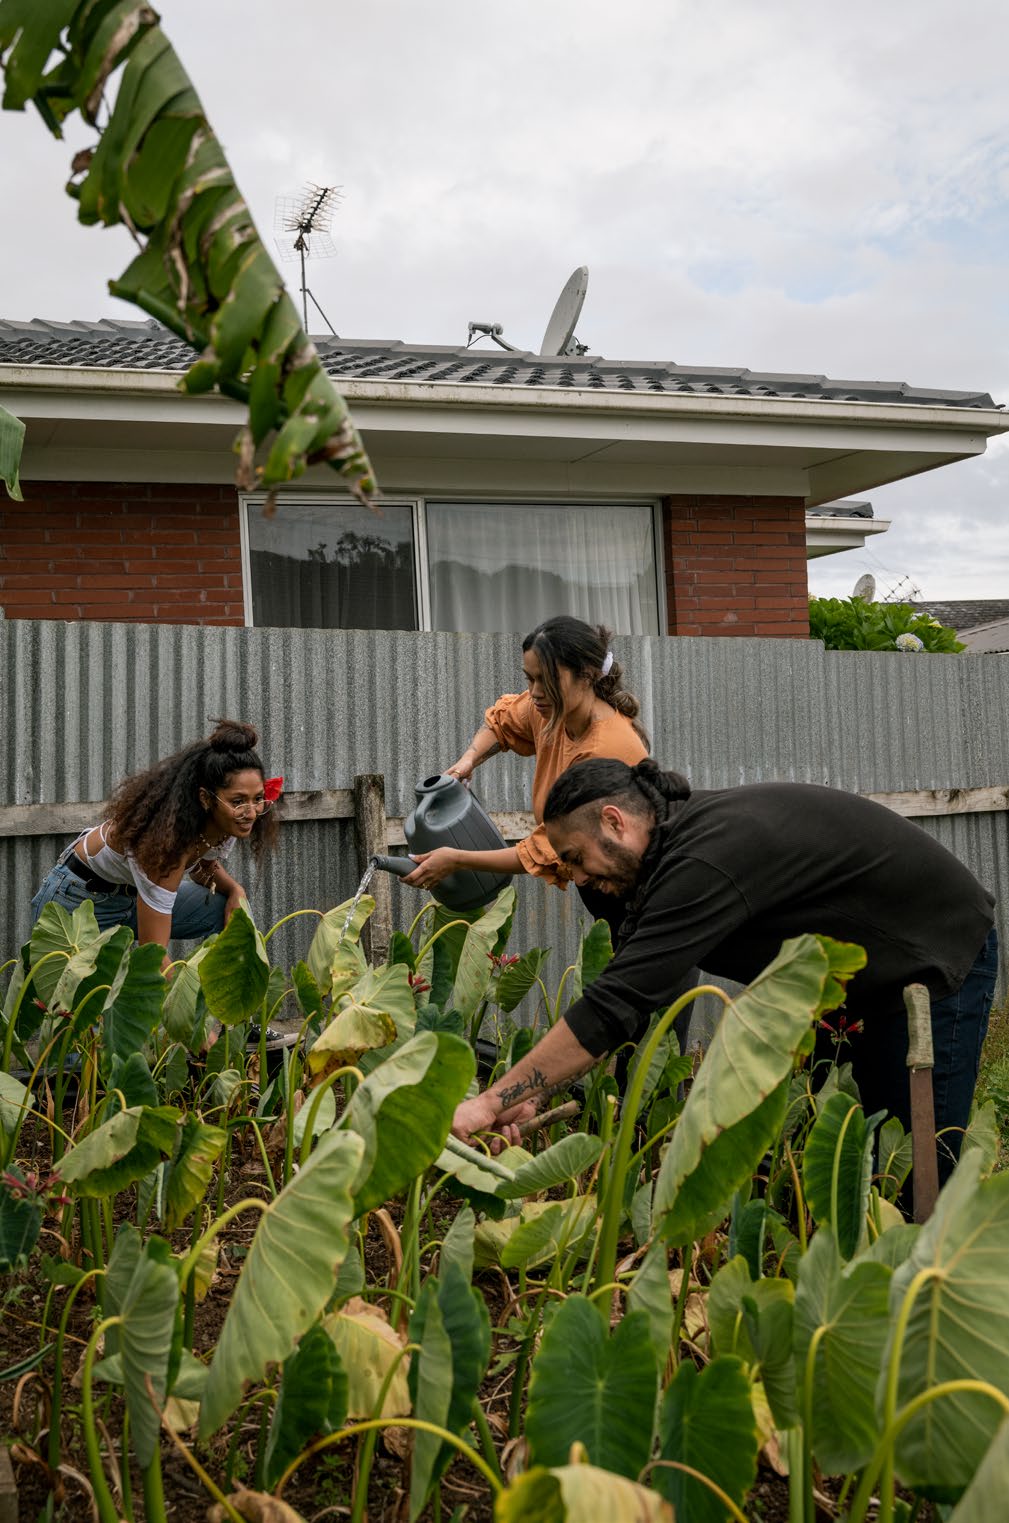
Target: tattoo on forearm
(533,1083)
(537,1084)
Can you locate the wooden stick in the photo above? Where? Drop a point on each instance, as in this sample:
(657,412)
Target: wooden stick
(565,1112)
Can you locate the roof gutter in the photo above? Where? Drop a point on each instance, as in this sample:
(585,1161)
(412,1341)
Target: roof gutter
(560,399)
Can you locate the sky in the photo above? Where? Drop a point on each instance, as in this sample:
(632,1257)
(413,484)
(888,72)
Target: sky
(776,185)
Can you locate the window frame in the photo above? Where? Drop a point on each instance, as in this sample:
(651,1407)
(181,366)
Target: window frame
(418,505)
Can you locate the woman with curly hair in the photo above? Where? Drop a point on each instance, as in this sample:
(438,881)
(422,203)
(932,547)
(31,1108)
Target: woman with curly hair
(156,862)
(575,706)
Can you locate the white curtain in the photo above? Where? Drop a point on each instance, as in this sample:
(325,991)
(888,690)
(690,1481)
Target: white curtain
(506,567)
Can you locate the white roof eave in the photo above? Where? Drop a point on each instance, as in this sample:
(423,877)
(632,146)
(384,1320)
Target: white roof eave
(137,390)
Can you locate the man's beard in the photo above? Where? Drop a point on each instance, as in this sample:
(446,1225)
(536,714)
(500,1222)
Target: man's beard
(623,865)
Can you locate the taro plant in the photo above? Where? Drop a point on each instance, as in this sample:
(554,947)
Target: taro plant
(698,1281)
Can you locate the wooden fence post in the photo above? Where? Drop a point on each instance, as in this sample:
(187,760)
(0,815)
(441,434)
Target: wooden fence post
(371,836)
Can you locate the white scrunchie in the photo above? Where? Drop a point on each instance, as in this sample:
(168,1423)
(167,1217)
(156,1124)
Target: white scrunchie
(607,664)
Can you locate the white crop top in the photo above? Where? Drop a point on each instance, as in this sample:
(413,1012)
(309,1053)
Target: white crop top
(117,868)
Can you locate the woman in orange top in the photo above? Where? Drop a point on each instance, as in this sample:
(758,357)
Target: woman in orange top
(575,706)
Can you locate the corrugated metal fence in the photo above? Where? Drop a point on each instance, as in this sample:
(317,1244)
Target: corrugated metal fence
(85,704)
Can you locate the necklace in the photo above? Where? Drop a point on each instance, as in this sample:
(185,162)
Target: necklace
(204,844)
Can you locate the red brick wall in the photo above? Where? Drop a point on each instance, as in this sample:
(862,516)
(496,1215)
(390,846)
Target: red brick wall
(148,554)
(736,566)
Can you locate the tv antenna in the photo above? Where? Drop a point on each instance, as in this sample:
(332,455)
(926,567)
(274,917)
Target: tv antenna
(304,222)
(559,337)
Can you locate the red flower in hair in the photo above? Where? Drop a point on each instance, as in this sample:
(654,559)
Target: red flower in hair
(273,787)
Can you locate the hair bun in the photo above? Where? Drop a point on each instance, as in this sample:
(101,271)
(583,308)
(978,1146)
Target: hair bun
(233,735)
(671,785)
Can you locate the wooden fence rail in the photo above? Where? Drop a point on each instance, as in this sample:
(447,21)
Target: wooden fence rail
(339,804)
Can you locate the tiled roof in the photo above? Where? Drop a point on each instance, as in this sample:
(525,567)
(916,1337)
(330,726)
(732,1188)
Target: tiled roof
(844,507)
(115,345)
(966,615)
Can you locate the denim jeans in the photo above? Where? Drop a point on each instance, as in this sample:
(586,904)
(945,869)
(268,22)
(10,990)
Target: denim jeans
(196,912)
(959,1027)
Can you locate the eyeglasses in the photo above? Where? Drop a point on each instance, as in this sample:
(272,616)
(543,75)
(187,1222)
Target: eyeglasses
(242,811)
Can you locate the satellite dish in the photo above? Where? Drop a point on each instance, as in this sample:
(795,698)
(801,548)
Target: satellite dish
(559,337)
(865,588)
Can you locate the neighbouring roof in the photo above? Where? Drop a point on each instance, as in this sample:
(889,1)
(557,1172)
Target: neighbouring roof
(845,507)
(988,639)
(970,614)
(112,344)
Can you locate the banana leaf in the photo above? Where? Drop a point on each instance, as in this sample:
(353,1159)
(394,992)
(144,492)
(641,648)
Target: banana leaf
(12,434)
(202,270)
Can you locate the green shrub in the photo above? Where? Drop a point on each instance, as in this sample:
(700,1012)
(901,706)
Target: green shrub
(854,624)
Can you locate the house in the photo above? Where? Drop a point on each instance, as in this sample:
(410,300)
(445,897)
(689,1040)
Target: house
(658,497)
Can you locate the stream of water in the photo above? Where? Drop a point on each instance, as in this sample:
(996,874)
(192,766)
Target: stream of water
(362,887)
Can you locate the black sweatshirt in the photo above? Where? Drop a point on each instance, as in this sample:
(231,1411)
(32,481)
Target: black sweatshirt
(731,873)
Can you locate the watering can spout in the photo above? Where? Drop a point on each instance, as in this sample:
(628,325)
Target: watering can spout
(401,866)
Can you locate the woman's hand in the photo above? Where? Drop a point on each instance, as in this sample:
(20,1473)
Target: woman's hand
(432,866)
(236,893)
(483,1114)
(463,768)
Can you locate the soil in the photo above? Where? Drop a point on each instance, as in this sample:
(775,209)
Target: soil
(324,1486)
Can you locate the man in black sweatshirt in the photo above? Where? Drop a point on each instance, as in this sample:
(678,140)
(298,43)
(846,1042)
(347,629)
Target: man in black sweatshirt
(720,878)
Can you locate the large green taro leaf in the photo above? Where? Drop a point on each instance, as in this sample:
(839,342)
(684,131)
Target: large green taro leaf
(16,1100)
(571,1156)
(514,982)
(145,1335)
(985,1497)
(235,972)
(371,1020)
(403,1112)
(593,1388)
(837,1169)
(91,972)
(20,1220)
(738,1100)
(312,1400)
(650,1292)
(197,1150)
(473,973)
(120,1151)
(452,1326)
(185,1004)
(133,1007)
(288,1276)
(56,930)
(753,1319)
(332,936)
(957,1329)
(706,1421)
(845,1307)
(578,1494)
(542,1229)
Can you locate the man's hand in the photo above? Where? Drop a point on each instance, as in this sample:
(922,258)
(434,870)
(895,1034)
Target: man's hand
(483,1114)
(432,866)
